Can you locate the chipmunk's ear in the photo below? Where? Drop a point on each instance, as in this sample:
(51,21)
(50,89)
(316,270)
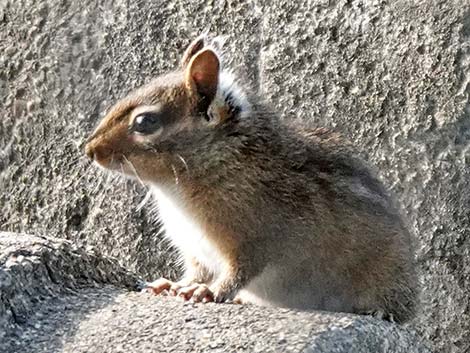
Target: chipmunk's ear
(202,74)
(195,46)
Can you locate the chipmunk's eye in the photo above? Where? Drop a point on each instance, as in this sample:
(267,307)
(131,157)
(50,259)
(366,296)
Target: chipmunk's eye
(146,123)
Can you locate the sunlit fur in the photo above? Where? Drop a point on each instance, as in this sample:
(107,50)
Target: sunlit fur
(178,224)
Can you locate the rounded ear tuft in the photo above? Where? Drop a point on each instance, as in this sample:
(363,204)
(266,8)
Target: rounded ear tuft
(202,72)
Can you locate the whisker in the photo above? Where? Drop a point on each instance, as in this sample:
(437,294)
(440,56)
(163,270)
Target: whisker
(109,177)
(144,201)
(98,184)
(122,172)
(175,174)
(78,158)
(84,162)
(184,162)
(134,171)
(110,180)
(79,179)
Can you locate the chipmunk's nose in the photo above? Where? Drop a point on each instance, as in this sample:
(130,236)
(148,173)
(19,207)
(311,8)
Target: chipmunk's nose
(98,152)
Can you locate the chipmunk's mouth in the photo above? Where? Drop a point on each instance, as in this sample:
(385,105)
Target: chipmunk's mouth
(109,162)
(112,164)
(118,163)
(104,157)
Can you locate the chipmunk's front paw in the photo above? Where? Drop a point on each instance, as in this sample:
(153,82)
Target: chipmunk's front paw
(197,293)
(201,293)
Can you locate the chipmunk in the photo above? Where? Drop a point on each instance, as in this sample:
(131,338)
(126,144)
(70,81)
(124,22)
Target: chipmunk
(263,209)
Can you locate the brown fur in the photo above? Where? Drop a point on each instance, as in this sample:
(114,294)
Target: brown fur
(269,193)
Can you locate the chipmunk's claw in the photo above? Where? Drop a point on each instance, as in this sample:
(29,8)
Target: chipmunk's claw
(160,286)
(203,294)
(197,293)
(238,300)
(224,296)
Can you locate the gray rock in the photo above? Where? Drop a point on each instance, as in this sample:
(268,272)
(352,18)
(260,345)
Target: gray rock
(393,76)
(34,269)
(58,298)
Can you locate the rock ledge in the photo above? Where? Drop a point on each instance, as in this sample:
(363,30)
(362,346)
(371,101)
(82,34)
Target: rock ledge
(57,297)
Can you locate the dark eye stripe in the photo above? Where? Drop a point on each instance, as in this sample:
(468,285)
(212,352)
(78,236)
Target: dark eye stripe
(147,123)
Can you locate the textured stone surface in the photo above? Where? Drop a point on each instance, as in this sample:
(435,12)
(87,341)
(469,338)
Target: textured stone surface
(58,298)
(34,269)
(133,322)
(392,75)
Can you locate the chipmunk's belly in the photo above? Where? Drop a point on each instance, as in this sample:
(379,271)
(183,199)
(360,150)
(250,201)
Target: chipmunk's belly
(185,234)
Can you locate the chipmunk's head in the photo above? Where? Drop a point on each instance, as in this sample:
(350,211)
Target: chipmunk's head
(143,133)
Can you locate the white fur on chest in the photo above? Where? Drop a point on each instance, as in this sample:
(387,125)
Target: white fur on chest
(184,232)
